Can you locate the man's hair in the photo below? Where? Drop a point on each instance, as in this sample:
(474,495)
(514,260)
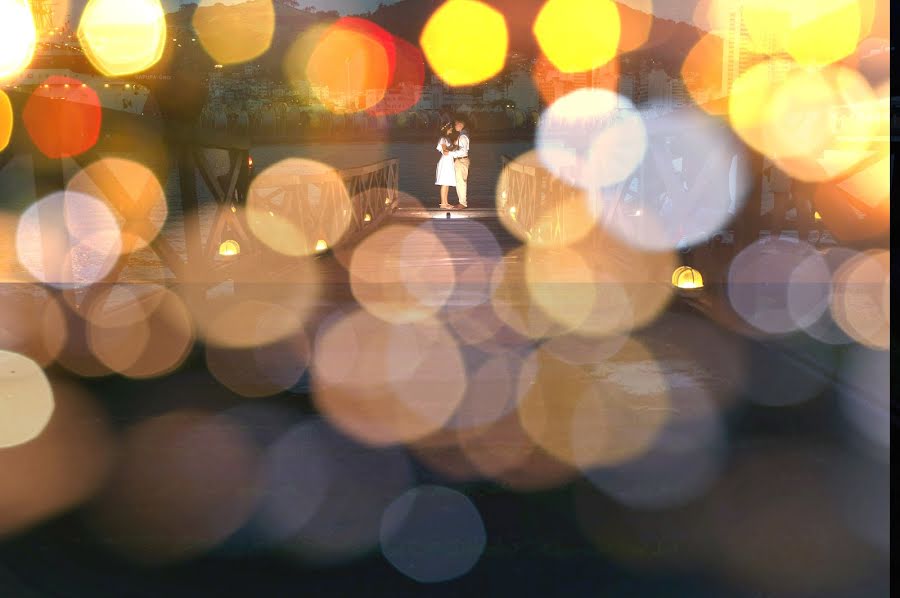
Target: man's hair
(460,119)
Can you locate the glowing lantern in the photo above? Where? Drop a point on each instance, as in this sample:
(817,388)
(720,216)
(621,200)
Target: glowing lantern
(687,278)
(229,248)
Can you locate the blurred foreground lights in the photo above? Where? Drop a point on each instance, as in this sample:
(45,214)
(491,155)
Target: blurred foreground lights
(296,205)
(432,534)
(331,493)
(32,323)
(260,371)
(63,122)
(133,194)
(387,383)
(706,164)
(860,302)
(61,467)
(122,37)
(775,285)
(26,399)
(6,120)
(68,238)
(476,49)
(591,138)
(354,61)
(17,38)
(813,32)
(402,273)
(681,464)
(233,33)
(567,214)
(594,417)
(229,248)
(184,482)
(578,35)
(686,278)
(140,331)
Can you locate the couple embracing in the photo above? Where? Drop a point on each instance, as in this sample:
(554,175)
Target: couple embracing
(453,167)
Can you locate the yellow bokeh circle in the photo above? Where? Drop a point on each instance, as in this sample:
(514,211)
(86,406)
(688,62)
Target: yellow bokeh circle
(465,42)
(17,40)
(122,37)
(578,35)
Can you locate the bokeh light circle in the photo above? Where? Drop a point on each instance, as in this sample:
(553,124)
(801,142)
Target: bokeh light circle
(233,33)
(296,203)
(132,192)
(68,239)
(385,383)
(578,35)
(18,37)
(63,117)
(418,527)
(591,138)
(6,120)
(354,60)
(122,37)
(760,280)
(465,42)
(860,301)
(402,273)
(26,399)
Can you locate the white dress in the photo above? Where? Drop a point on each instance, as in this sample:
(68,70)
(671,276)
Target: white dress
(446,173)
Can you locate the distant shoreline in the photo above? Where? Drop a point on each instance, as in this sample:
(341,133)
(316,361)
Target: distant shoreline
(385,136)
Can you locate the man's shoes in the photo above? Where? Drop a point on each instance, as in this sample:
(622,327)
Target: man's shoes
(460,207)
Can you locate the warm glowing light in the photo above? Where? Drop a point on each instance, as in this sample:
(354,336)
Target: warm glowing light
(26,399)
(701,72)
(17,38)
(233,33)
(122,37)
(813,32)
(68,238)
(61,123)
(367,217)
(402,273)
(578,35)
(604,417)
(387,201)
(132,192)
(295,206)
(817,216)
(687,278)
(382,382)
(465,42)
(6,120)
(860,302)
(229,248)
(354,60)
(565,215)
(751,94)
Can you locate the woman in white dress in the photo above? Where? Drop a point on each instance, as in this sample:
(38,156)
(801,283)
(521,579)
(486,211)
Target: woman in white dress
(445,175)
